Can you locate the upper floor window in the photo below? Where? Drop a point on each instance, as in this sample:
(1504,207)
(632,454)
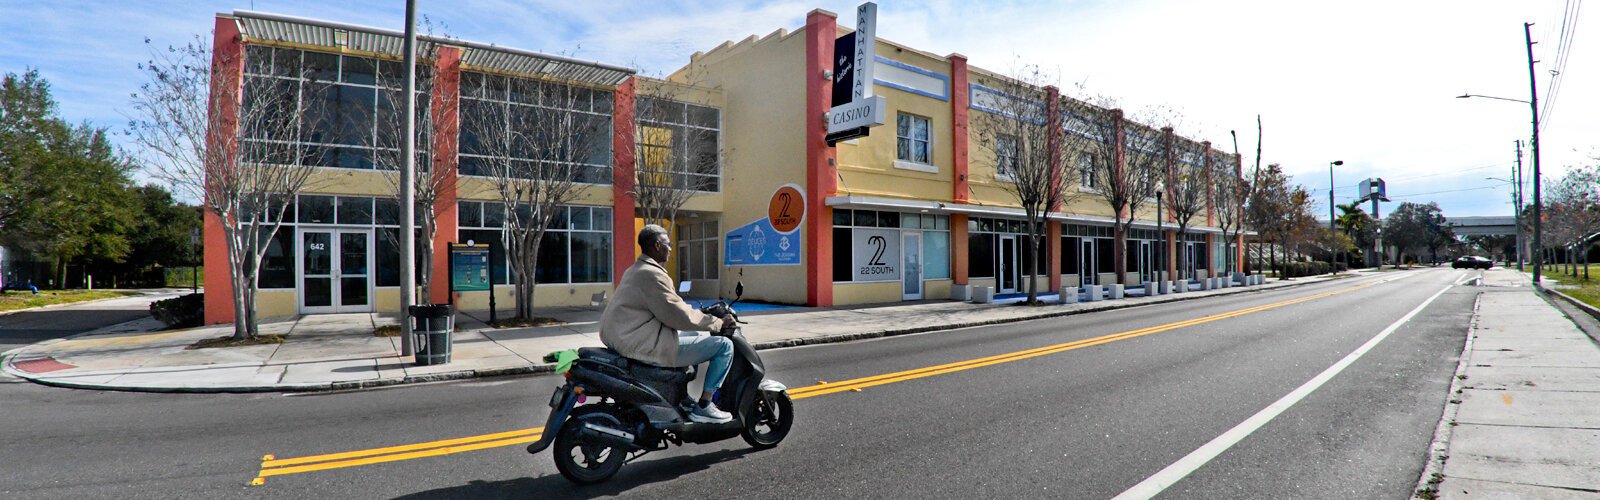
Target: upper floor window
(679,144)
(1086,171)
(1005,156)
(914,139)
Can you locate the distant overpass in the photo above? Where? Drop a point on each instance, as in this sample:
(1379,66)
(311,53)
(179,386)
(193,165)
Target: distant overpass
(1497,225)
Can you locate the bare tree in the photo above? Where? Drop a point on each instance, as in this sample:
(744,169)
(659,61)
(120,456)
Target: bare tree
(1028,146)
(676,152)
(431,180)
(1127,167)
(230,142)
(1227,193)
(536,149)
(1186,187)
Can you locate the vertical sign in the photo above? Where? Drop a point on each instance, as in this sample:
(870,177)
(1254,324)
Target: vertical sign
(844,69)
(866,50)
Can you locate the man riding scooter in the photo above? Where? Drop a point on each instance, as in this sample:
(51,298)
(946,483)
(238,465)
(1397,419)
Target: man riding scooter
(644,319)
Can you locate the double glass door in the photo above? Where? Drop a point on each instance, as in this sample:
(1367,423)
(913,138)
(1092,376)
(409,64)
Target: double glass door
(335,270)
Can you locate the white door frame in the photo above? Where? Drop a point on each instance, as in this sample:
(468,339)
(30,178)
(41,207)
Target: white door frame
(335,275)
(1088,269)
(1002,273)
(911,259)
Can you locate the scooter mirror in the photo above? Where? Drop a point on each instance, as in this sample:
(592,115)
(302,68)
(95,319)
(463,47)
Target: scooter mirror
(738,290)
(684,286)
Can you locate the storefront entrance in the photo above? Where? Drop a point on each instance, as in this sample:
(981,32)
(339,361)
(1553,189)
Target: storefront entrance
(911,278)
(1087,266)
(1008,271)
(335,270)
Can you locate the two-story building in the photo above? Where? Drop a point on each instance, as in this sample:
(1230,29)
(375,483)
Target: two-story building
(905,213)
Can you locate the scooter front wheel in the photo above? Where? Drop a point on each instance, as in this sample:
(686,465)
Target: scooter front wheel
(767,419)
(586,462)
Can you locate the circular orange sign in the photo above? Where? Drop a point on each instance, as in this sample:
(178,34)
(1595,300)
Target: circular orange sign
(787,209)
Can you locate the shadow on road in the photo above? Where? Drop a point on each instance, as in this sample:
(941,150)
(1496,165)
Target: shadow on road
(554,486)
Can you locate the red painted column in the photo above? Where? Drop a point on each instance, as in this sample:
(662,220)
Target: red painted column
(821,29)
(1211,213)
(1053,130)
(445,111)
(959,107)
(623,233)
(227,82)
(1238,172)
(1170,248)
(958,249)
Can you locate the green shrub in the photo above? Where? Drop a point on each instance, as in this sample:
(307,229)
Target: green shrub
(183,311)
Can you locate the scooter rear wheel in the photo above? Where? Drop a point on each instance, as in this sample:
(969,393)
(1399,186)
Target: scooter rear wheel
(584,462)
(768,419)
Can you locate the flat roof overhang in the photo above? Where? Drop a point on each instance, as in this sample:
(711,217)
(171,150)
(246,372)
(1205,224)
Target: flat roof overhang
(939,207)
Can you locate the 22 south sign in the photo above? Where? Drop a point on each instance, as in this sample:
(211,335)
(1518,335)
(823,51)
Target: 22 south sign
(875,255)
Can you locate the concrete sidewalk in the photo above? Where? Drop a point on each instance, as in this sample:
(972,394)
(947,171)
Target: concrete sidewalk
(340,351)
(1521,422)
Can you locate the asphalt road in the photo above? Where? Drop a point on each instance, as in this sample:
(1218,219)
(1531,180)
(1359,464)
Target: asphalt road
(1083,423)
(27,327)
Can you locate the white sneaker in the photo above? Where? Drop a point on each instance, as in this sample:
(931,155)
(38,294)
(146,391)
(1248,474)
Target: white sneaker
(709,414)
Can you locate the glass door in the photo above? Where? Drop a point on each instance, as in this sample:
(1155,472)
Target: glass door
(1008,264)
(1088,269)
(911,250)
(335,271)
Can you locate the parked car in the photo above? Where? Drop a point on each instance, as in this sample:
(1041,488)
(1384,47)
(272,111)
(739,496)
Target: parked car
(1472,262)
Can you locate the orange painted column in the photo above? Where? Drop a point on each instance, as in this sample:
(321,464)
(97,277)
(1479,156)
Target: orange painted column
(444,107)
(227,82)
(958,249)
(959,107)
(821,29)
(623,233)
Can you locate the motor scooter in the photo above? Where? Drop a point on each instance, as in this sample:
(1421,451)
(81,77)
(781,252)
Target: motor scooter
(612,410)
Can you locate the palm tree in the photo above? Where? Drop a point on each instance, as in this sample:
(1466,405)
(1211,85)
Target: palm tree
(1353,220)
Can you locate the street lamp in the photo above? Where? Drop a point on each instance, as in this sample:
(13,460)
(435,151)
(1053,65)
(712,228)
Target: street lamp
(1333,266)
(1533,106)
(1516,212)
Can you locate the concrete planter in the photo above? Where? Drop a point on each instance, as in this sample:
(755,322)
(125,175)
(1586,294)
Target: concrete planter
(1068,296)
(982,295)
(961,292)
(1094,292)
(1205,283)
(1116,291)
(1163,287)
(1241,279)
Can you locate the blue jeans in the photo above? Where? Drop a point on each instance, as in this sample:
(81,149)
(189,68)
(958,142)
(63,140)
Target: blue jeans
(695,348)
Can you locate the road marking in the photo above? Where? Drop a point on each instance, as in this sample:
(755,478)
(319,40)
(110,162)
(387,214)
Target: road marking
(1198,458)
(271,466)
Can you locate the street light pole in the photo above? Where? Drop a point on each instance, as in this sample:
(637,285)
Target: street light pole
(408,216)
(1533,104)
(1333,266)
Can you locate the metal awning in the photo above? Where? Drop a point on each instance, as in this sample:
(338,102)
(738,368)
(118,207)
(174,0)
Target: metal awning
(938,207)
(267,27)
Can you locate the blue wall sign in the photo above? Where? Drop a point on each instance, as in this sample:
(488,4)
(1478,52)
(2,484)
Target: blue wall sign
(758,244)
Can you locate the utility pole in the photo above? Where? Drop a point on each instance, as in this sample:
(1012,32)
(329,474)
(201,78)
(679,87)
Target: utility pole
(1333,265)
(1516,199)
(1538,204)
(408,173)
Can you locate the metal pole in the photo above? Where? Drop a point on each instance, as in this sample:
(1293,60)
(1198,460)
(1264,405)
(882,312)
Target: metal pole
(408,215)
(1533,104)
(1516,201)
(1333,264)
(1377,240)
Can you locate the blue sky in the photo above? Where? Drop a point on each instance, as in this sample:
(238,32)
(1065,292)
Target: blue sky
(1368,82)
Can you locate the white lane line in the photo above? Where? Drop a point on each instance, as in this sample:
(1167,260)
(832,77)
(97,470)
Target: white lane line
(1159,482)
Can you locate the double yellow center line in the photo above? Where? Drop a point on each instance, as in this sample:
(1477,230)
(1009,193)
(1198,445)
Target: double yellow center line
(272,466)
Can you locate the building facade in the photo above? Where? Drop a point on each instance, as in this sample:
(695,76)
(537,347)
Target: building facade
(909,212)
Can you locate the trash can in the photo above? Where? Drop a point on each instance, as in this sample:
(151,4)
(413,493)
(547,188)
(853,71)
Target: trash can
(431,327)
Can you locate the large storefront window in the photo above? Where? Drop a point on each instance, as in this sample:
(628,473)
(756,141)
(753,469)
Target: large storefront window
(576,247)
(999,247)
(534,128)
(679,144)
(866,245)
(697,250)
(348,121)
(381,214)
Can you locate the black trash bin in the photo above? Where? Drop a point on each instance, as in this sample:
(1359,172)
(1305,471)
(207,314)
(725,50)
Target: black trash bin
(431,327)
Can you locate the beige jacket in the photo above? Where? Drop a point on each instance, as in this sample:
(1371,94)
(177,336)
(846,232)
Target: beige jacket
(644,316)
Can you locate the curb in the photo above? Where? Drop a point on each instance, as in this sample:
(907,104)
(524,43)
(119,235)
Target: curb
(549,368)
(1586,308)
(1439,449)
